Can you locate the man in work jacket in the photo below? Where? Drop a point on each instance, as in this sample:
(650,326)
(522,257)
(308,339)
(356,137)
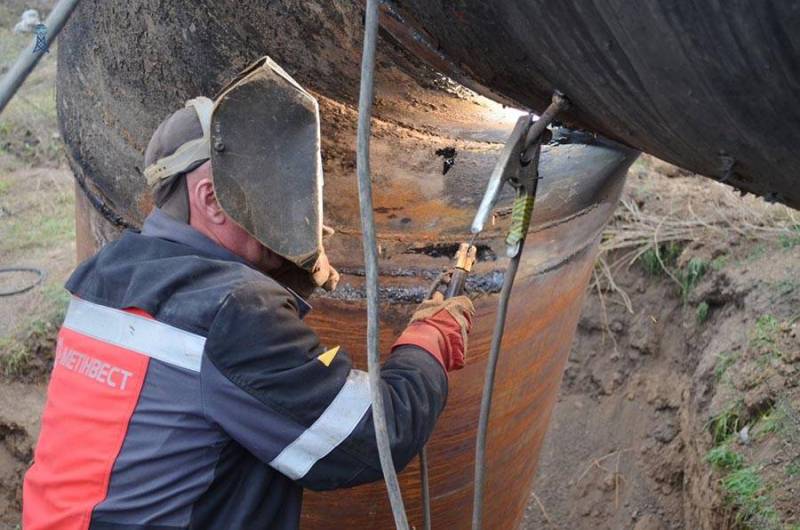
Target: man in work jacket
(186,391)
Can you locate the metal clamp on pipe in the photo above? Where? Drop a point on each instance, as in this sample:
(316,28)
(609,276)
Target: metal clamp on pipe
(516,156)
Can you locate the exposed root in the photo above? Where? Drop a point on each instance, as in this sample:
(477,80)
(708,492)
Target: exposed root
(600,296)
(541,507)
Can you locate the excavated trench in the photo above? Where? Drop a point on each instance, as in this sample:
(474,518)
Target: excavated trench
(124,66)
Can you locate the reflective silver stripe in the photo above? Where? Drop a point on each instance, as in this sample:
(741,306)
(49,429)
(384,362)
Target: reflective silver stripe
(330,429)
(132,332)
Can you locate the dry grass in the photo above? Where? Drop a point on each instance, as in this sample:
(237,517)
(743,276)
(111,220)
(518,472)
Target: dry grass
(657,210)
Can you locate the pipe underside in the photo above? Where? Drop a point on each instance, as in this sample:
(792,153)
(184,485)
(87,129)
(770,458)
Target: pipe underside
(708,85)
(123,67)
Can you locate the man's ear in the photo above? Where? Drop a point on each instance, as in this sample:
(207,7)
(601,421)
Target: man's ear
(206,201)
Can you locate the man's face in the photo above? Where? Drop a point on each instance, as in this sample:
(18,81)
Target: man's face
(269,261)
(290,275)
(251,249)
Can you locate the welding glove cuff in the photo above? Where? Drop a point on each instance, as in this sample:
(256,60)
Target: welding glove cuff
(441,327)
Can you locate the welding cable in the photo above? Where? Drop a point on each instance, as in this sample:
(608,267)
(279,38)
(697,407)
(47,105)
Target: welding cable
(426,489)
(40,274)
(523,211)
(371,263)
(519,237)
(488,387)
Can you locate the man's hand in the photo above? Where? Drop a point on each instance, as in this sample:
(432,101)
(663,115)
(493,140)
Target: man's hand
(304,282)
(441,327)
(324,275)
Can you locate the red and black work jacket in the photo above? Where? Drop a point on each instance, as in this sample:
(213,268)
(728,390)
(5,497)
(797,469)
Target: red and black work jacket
(187,392)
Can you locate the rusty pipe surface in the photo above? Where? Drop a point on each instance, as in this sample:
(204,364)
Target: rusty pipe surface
(579,189)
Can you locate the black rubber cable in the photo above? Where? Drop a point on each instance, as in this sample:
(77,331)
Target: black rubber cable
(488,386)
(426,489)
(40,277)
(371,264)
(531,153)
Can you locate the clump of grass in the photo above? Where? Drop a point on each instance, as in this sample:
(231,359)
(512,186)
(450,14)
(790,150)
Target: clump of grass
(719,262)
(792,239)
(722,457)
(765,338)
(15,359)
(726,423)
(691,276)
(745,491)
(786,286)
(650,262)
(657,260)
(770,422)
(18,355)
(22,354)
(662,260)
(757,252)
(703,310)
(765,333)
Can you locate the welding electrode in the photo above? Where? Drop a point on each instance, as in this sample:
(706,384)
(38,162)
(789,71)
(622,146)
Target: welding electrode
(465,259)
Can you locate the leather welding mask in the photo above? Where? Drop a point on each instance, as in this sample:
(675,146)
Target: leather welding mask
(267,167)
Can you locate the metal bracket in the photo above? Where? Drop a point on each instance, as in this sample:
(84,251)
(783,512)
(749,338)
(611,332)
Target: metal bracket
(518,165)
(507,168)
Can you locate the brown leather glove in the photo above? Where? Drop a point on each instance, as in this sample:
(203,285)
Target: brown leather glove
(441,327)
(304,282)
(324,275)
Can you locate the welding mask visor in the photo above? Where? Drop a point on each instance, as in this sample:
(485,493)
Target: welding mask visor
(267,167)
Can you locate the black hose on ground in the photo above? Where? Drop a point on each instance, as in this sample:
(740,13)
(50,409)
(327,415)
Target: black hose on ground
(371,264)
(40,276)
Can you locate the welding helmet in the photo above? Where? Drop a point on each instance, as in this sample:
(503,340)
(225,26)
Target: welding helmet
(262,135)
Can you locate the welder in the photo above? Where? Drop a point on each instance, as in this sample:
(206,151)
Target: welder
(187,391)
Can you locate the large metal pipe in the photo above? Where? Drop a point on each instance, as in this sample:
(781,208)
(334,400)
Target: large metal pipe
(580,188)
(123,67)
(708,85)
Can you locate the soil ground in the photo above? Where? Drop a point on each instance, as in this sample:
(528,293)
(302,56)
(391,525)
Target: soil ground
(679,405)
(672,397)
(36,231)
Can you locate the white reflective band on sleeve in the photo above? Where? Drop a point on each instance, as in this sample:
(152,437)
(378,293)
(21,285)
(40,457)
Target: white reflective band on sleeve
(330,429)
(133,332)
